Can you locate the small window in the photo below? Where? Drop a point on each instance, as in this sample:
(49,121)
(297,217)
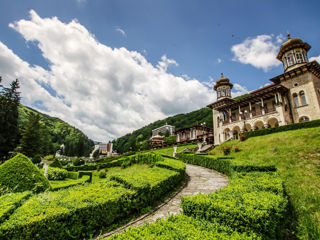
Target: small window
(304,119)
(303,98)
(290,59)
(296,84)
(295,99)
(299,57)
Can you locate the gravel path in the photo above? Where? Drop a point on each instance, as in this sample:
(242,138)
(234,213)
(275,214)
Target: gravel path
(201,180)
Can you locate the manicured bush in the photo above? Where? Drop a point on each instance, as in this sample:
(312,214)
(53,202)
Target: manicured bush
(10,202)
(219,164)
(254,201)
(146,158)
(226,150)
(310,124)
(150,184)
(86,174)
(74,213)
(57,173)
(183,227)
(19,174)
(102,174)
(56,164)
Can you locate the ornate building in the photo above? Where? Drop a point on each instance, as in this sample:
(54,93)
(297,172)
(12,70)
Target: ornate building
(293,96)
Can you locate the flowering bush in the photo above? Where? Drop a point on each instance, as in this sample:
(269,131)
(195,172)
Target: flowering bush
(236,149)
(243,137)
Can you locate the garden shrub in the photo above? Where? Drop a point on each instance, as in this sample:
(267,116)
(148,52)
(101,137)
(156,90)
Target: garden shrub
(56,164)
(183,227)
(78,162)
(171,164)
(57,173)
(102,174)
(19,174)
(74,213)
(86,174)
(11,201)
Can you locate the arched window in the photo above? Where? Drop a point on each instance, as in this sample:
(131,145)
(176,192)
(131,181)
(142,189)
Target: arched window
(299,57)
(295,99)
(303,98)
(290,59)
(304,119)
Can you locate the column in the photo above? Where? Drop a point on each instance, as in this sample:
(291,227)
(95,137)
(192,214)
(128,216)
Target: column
(239,113)
(262,107)
(230,111)
(250,109)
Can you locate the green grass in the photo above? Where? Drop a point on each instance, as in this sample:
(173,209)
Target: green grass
(296,154)
(169,150)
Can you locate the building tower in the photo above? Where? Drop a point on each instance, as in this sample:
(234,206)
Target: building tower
(223,88)
(293,53)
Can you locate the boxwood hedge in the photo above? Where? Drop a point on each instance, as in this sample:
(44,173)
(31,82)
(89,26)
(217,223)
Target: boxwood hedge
(184,228)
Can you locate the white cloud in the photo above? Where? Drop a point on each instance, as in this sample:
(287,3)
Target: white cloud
(260,51)
(106,92)
(165,63)
(219,60)
(238,90)
(121,31)
(315,59)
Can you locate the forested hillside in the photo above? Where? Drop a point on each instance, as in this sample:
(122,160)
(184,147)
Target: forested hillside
(138,138)
(76,142)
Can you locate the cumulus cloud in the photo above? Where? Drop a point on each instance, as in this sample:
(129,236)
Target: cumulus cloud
(260,51)
(106,92)
(219,60)
(121,31)
(315,59)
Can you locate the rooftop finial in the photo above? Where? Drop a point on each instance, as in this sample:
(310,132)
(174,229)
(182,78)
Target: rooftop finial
(221,75)
(288,35)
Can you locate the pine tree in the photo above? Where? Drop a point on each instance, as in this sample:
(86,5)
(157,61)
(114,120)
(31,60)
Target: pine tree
(9,131)
(31,141)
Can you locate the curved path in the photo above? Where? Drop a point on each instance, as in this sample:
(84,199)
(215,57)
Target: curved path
(201,180)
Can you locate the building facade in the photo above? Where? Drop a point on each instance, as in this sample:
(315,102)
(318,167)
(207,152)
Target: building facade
(163,130)
(293,96)
(195,133)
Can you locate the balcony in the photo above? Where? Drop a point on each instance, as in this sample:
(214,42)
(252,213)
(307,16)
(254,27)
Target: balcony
(256,113)
(270,109)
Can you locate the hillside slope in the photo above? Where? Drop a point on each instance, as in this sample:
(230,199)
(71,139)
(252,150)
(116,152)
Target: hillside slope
(129,141)
(296,154)
(75,141)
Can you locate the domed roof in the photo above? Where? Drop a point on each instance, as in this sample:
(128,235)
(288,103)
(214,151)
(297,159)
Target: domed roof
(290,44)
(222,81)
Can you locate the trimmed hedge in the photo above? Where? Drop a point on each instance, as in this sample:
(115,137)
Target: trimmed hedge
(183,227)
(19,174)
(73,213)
(73,175)
(10,202)
(57,185)
(294,126)
(171,164)
(253,201)
(57,173)
(150,184)
(56,164)
(226,165)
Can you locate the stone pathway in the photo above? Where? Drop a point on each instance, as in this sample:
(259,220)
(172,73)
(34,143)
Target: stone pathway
(201,180)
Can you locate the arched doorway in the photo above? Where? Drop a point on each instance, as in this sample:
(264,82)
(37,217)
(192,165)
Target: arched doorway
(226,134)
(273,122)
(258,125)
(236,132)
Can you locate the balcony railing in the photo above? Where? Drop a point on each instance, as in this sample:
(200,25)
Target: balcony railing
(270,109)
(256,113)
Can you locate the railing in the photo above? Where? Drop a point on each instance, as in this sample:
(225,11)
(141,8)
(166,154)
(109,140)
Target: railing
(256,113)
(270,109)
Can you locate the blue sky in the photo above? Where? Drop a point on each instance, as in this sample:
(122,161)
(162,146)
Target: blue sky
(192,39)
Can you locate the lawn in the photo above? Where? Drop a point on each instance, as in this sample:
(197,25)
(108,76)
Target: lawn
(296,154)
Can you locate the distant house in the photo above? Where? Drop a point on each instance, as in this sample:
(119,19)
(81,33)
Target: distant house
(195,133)
(105,148)
(163,130)
(156,141)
